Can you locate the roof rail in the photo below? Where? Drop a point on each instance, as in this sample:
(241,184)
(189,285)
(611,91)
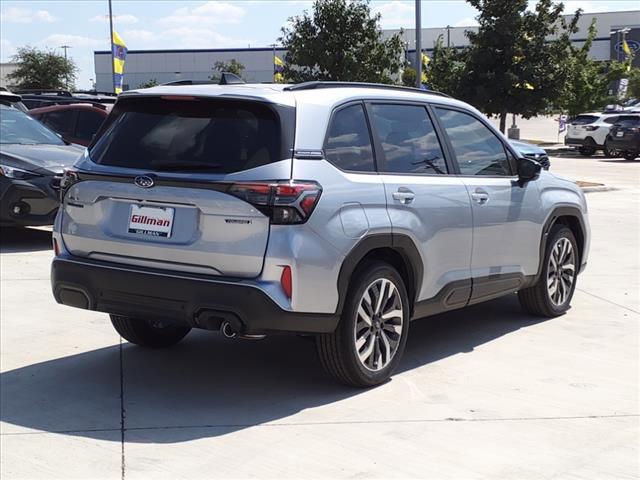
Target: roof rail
(44,91)
(325,84)
(191,82)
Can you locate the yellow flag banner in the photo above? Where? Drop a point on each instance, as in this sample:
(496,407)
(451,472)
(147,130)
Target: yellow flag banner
(119,50)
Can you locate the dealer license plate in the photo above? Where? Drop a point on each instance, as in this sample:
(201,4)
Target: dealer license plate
(152,221)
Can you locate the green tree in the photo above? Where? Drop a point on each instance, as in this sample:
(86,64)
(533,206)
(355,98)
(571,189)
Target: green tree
(232,66)
(409,76)
(446,69)
(633,90)
(149,83)
(42,69)
(510,66)
(340,40)
(589,81)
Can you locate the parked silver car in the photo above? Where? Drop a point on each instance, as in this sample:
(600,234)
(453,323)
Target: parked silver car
(341,210)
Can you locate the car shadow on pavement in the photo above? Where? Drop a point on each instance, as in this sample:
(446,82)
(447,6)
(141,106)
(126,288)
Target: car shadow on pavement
(14,240)
(208,386)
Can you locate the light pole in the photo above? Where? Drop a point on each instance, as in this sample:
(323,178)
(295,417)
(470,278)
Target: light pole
(418,45)
(66,76)
(448,36)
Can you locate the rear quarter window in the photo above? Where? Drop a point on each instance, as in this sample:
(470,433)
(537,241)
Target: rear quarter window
(218,136)
(584,119)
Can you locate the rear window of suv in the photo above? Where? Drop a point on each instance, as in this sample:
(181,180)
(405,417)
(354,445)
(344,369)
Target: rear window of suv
(188,135)
(630,121)
(584,119)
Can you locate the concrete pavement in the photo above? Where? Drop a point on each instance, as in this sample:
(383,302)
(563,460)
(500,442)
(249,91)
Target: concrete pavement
(486,392)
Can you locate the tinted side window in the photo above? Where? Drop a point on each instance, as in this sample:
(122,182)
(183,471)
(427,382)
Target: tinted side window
(611,120)
(409,141)
(348,144)
(60,121)
(478,151)
(88,124)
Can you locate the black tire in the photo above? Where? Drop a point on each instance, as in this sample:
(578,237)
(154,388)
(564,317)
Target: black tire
(610,152)
(587,151)
(148,334)
(630,155)
(537,299)
(337,351)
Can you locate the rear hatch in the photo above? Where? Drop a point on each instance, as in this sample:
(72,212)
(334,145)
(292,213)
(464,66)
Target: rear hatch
(627,127)
(581,125)
(176,182)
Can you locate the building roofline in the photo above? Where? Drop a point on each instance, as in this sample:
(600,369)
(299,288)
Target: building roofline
(195,50)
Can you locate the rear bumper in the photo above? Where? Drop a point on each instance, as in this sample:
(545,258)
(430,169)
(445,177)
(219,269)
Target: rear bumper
(573,141)
(197,301)
(630,143)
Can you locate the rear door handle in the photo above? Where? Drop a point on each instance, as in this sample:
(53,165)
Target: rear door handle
(480,196)
(404,195)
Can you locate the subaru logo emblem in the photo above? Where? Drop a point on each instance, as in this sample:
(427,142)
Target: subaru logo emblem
(143,181)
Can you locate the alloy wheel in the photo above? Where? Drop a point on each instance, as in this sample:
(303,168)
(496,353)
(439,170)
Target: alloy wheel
(561,272)
(378,325)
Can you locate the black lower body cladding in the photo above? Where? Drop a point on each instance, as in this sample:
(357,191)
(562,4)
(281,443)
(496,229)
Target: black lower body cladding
(197,301)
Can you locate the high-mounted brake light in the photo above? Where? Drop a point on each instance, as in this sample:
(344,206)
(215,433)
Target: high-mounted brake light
(286,203)
(177,97)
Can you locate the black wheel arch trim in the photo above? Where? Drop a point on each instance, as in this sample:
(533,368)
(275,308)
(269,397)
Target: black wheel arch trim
(561,211)
(401,244)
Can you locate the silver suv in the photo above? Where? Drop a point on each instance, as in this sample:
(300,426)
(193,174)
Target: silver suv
(339,210)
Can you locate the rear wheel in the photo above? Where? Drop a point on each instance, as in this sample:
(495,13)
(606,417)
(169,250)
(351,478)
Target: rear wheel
(368,343)
(610,152)
(587,151)
(551,295)
(147,333)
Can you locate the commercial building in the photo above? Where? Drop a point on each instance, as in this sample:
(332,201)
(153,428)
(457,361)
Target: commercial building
(6,69)
(607,44)
(169,65)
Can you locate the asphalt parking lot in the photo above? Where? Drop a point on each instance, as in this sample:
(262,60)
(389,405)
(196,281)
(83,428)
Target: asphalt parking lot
(486,392)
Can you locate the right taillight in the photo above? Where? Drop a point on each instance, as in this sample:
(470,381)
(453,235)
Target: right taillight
(285,203)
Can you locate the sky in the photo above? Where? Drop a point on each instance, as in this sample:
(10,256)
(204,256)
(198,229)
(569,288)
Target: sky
(153,24)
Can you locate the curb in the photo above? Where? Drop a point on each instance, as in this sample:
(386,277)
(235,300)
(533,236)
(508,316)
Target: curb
(598,188)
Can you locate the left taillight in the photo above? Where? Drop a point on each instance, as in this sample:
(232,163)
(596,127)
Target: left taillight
(68,179)
(56,247)
(285,203)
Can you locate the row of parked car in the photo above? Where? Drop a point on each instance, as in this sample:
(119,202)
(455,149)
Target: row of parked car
(45,131)
(617,133)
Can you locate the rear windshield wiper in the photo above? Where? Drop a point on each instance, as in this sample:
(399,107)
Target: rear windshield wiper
(186,166)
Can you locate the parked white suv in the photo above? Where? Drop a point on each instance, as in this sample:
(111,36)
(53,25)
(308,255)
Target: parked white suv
(588,133)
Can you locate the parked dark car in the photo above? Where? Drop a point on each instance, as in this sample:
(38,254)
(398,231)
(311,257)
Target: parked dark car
(533,152)
(32,160)
(46,98)
(11,99)
(624,136)
(76,122)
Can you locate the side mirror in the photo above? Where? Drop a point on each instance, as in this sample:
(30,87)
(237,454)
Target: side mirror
(527,170)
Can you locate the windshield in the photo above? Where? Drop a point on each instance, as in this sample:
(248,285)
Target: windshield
(189,135)
(17,127)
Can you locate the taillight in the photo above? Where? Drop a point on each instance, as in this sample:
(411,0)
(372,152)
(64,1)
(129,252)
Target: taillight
(68,179)
(56,248)
(286,281)
(591,128)
(285,203)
